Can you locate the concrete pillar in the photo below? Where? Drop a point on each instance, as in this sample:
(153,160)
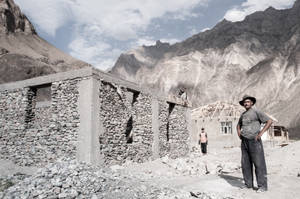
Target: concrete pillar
(190,128)
(273,135)
(88,149)
(155,127)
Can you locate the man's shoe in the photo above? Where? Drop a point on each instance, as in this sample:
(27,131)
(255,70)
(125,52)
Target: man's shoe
(246,187)
(261,190)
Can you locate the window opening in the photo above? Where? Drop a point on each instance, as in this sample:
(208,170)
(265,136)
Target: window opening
(30,113)
(171,108)
(226,127)
(128,132)
(43,93)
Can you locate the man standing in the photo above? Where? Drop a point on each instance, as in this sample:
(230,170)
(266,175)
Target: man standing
(250,132)
(203,141)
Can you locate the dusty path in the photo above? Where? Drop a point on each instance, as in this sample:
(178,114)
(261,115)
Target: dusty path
(283,169)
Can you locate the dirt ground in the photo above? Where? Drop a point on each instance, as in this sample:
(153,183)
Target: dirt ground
(217,174)
(225,176)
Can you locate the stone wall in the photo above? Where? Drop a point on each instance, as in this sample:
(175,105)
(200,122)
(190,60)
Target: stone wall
(114,115)
(13,106)
(64,121)
(179,137)
(164,144)
(142,134)
(173,131)
(126,117)
(122,121)
(36,133)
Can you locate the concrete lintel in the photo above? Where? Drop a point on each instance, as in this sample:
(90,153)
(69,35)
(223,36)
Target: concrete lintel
(46,79)
(125,83)
(155,127)
(117,80)
(88,148)
(85,72)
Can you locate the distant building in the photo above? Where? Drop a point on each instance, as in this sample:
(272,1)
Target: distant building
(279,135)
(220,119)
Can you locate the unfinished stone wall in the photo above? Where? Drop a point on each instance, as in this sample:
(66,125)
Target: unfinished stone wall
(126,117)
(33,133)
(173,132)
(90,117)
(13,105)
(64,121)
(42,116)
(164,144)
(113,114)
(142,136)
(179,138)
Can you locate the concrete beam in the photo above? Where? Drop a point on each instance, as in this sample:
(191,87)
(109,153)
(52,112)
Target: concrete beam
(84,72)
(87,72)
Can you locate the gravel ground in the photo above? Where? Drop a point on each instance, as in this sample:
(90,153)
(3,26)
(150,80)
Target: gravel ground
(70,179)
(213,176)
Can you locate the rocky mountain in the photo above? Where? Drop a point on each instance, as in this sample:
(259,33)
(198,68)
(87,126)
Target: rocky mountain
(259,56)
(23,54)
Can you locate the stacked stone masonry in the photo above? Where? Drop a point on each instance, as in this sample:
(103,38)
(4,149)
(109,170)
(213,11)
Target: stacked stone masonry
(32,135)
(126,117)
(34,132)
(173,132)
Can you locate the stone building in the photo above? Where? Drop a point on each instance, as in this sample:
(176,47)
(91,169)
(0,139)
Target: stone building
(89,115)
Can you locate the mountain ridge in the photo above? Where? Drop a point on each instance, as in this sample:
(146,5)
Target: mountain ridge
(259,56)
(23,54)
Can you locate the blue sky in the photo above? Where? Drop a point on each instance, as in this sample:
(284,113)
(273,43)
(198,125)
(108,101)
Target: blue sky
(98,31)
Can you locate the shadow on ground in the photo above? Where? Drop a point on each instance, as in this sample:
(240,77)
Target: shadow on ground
(232,180)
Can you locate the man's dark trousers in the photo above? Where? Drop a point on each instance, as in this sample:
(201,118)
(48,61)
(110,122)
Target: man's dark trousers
(253,154)
(204,148)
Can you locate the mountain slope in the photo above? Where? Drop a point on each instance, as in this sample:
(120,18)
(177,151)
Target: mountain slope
(23,54)
(259,56)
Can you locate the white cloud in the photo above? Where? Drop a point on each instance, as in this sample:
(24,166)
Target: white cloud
(120,19)
(193,31)
(250,6)
(205,29)
(123,20)
(99,53)
(169,40)
(96,21)
(49,15)
(147,41)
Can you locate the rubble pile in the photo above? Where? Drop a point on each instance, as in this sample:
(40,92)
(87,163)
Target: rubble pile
(6,182)
(201,165)
(69,179)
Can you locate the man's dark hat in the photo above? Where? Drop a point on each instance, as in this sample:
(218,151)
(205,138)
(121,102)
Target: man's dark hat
(253,99)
